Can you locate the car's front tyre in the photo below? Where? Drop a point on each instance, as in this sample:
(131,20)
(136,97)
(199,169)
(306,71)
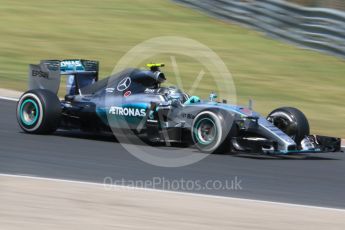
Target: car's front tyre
(291,121)
(211,133)
(39,111)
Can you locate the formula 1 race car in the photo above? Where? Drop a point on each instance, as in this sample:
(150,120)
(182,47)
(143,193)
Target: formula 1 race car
(134,102)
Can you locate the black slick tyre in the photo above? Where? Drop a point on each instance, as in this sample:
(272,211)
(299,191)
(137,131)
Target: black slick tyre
(39,111)
(291,121)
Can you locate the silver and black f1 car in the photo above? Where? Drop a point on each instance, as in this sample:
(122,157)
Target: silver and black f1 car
(134,100)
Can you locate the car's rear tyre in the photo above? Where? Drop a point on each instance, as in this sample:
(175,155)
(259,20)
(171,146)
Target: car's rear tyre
(211,133)
(39,111)
(291,121)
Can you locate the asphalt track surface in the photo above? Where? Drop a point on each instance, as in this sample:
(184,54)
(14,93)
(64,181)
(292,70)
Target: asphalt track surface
(317,180)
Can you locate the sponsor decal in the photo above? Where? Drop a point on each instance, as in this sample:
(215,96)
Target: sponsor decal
(149,90)
(132,112)
(124,84)
(38,73)
(75,63)
(109,90)
(188,116)
(127,94)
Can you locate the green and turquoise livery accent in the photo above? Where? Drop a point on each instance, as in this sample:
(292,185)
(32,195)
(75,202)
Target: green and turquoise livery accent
(192,100)
(29,112)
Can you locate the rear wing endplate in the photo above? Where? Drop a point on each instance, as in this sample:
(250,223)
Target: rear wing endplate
(47,74)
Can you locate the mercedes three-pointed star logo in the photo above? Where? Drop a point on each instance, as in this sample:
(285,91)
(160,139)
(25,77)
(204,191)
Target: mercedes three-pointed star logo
(124,84)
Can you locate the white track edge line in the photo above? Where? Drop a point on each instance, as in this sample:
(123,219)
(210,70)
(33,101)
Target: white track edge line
(9,98)
(171,192)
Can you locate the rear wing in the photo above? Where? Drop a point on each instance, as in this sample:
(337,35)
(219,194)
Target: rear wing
(79,72)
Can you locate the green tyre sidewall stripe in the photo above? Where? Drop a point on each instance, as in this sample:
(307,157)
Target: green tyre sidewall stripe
(21,112)
(196,131)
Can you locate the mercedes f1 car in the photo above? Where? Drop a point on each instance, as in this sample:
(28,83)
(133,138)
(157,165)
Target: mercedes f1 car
(134,102)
